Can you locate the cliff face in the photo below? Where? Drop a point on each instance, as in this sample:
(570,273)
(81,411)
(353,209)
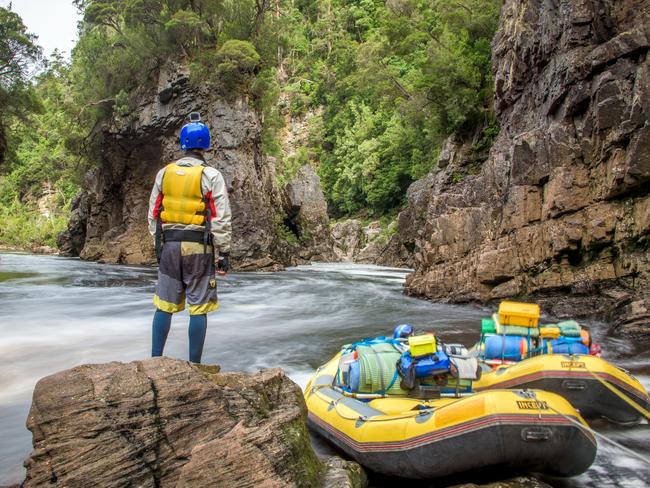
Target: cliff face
(109,223)
(560,210)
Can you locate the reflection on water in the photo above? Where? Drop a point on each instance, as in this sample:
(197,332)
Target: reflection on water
(11,275)
(57,313)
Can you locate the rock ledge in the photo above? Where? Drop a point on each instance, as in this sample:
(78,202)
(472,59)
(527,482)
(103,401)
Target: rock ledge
(167,423)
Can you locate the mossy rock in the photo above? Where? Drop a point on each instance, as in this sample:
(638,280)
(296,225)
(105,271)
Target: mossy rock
(344,474)
(309,469)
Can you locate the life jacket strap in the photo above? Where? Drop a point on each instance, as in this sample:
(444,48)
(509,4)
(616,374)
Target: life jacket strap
(187,236)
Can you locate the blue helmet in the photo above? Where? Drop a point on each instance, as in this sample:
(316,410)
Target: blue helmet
(195,135)
(402,331)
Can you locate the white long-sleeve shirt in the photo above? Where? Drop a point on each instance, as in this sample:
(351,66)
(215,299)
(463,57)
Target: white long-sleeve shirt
(211,182)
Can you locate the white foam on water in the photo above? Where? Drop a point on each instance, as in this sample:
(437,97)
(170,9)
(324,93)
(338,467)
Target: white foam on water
(301,378)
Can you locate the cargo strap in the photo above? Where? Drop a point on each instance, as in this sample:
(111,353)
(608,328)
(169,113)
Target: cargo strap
(383,388)
(392,382)
(623,397)
(369,343)
(592,431)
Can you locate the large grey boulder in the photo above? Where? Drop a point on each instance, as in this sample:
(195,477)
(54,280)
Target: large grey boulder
(167,423)
(306,211)
(348,239)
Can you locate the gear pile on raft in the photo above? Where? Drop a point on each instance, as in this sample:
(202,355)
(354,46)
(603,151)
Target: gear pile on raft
(413,406)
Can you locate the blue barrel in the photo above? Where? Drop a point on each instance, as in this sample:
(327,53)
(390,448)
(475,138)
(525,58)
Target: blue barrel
(353,377)
(511,348)
(564,346)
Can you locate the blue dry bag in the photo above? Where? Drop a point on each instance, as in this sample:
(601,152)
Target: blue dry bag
(411,368)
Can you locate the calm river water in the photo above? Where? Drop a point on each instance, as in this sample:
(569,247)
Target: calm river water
(57,313)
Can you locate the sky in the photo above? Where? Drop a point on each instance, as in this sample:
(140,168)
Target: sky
(53,21)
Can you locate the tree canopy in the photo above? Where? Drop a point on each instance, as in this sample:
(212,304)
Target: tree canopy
(17,52)
(383,82)
(394,78)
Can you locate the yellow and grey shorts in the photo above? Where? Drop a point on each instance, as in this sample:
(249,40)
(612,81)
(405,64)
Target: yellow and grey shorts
(186,272)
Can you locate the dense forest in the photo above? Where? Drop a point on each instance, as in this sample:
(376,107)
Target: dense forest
(384,82)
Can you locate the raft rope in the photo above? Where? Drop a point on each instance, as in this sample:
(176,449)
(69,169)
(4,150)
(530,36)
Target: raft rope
(622,396)
(593,432)
(363,418)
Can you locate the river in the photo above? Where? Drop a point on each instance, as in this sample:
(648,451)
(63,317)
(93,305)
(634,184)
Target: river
(57,313)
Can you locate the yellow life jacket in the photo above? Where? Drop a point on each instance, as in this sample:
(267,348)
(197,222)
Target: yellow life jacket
(182,202)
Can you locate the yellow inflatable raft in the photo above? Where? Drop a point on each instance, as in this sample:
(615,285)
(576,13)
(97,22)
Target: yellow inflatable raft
(413,438)
(592,385)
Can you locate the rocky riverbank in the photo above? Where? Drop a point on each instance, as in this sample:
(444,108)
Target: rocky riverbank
(33,249)
(354,242)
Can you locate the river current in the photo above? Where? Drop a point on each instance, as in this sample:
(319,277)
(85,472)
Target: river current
(57,313)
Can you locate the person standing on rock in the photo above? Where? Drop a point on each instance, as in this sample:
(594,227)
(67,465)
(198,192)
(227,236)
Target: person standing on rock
(189,216)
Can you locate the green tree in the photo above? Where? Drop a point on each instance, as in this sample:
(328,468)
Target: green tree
(232,67)
(34,117)
(18,54)
(394,79)
(41,155)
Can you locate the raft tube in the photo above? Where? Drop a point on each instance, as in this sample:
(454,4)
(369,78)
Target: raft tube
(579,379)
(413,438)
